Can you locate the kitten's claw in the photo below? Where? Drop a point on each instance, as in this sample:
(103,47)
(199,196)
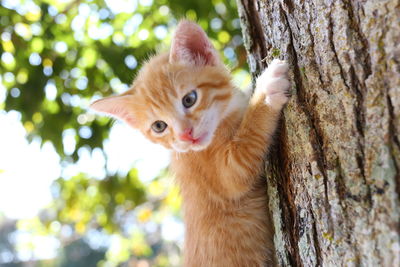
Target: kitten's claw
(274,83)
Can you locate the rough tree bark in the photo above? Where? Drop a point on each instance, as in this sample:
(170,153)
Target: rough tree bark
(334,174)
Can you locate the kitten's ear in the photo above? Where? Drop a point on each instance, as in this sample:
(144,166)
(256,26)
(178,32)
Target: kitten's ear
(190,45)
(120,107)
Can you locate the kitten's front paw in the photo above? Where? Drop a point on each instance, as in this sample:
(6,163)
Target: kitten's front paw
(274,83)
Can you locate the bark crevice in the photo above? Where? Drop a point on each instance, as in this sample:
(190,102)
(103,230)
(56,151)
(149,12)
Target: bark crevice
(316,134)
(280,166)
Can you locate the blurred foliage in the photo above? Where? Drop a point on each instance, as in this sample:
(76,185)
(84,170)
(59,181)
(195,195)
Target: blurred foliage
(56,58)
(87,200)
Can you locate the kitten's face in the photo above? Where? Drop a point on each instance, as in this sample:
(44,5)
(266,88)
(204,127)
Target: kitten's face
(181,106)
(178,99)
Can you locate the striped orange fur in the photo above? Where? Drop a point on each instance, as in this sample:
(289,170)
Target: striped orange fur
(219,143)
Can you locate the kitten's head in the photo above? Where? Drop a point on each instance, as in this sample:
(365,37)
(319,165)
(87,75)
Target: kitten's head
(178,98)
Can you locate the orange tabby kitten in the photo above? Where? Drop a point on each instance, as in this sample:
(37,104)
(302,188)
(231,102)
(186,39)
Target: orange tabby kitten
(185,100)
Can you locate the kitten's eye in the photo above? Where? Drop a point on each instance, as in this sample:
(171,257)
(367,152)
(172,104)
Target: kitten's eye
(159,126)
(189,99)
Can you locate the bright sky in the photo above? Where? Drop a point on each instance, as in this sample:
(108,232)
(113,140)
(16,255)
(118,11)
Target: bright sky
(27,171)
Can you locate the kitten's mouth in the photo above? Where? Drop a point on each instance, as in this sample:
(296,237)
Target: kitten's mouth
(198,140)
(195,144)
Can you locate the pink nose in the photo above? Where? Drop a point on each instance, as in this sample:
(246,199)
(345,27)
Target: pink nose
(187,135)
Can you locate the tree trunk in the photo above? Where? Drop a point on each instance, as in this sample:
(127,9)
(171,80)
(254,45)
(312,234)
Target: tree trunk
(334,173)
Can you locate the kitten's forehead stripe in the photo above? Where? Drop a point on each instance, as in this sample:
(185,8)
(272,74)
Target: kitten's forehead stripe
(153,103)
(222,97)
(214,85)
(173,93)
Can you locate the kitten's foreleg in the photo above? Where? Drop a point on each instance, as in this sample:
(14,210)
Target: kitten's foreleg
(243,155)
